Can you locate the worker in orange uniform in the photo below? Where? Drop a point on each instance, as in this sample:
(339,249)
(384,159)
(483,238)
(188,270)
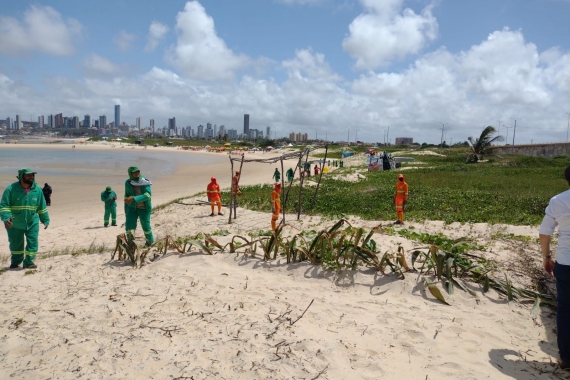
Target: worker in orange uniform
(275,205)
(401,198)
(214,195)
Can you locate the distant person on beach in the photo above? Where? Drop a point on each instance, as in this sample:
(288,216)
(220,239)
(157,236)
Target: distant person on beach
(110,198)
(137,204)
(47,190)
(275,204)
(401,198)
(277,175)
(290,174)
(214,195)
(22,208)
(307,169)
(316,170)
(235,185)
(557,213)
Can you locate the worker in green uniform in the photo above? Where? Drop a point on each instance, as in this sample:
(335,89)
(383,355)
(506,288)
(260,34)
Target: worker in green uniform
(137,204)
(22,208)
(109,197)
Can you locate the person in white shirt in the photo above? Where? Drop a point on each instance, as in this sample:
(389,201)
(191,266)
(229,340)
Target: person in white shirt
(557,213)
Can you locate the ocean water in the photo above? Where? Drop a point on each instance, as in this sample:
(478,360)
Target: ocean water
(96,163)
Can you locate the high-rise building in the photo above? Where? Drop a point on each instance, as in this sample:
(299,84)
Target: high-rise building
(96,123)
(246,124)
(74,122)
(222,131)
(268,132)
(87,121)
(215,130)
(58,121)
(152,125)
(232,134)
(292,136)
(200,133)
(172,124)
(41,121)
(138,122)
(50,121)
(18,124)
(209,132)
(9,123)
(103,121)
(117,115)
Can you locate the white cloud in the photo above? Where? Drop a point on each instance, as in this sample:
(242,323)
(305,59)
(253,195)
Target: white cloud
(156,33)
(199,52)
(100,67)
(503,76)
(385,33)
(42,29)
(124,40)
(301,1)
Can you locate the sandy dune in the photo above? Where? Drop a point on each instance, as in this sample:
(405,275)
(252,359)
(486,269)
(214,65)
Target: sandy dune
(234,316)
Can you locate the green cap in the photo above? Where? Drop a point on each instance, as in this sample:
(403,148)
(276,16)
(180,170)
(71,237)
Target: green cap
(131,170)
(108,188)
(23,171)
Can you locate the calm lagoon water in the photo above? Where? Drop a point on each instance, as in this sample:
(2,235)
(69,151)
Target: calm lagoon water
(98,163)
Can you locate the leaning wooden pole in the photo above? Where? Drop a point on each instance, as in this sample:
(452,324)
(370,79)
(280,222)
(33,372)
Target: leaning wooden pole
(291,183)
(232,195)
(282,192)
(321,176)
(237,185)
(301,186)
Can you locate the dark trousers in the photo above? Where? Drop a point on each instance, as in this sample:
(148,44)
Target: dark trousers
(562,274)
(48,200)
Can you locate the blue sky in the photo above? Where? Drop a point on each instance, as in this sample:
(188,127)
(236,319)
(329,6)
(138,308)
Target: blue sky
(317,66)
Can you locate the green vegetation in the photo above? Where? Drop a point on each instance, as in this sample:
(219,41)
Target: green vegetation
(509,189)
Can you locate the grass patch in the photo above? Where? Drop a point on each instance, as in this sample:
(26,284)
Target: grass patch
(511,189)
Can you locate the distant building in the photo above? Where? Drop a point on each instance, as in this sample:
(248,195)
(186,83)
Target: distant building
(41,121)
(232,134)
(9,123)
(200,132)
(298,137)
(103,121)
(268,132)
(18,124)
(246,124)
(58,121)
(74,122)
(51,121)
(152,125)
(87,121)
(172,124)
(209,132)
(222,131)
(404,140)
(117,115)
(215,130)
(138,124)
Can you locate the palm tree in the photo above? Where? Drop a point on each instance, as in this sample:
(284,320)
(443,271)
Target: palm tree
(481,146)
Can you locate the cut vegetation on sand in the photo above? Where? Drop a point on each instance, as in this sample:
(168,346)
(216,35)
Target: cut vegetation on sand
(340,293)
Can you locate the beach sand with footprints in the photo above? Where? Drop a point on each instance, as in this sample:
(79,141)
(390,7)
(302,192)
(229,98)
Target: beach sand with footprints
(235,316)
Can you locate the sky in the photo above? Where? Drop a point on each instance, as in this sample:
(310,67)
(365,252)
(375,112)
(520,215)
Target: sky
(371,70)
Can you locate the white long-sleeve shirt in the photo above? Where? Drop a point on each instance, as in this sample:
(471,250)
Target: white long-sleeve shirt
(558,214)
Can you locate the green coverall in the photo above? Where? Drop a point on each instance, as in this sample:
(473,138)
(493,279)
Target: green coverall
(110,198)
(26,211)
(141,208)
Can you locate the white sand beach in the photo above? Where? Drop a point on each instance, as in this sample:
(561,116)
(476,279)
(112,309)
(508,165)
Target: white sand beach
(235,316)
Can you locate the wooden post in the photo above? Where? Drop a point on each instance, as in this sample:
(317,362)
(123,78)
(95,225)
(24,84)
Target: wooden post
(232,196)
(283,191)
(321,176)
(301,185)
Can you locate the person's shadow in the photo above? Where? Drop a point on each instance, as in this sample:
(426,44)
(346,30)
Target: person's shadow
(521,366)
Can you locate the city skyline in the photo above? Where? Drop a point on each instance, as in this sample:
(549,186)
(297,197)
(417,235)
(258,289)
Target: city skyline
(369,66)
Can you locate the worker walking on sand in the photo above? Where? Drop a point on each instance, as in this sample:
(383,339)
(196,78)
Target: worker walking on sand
(22,208)
(138,204)
(109,197)
(401,198)
(275,204)
(47,190)
(214,195)
(290,174)
(277,175)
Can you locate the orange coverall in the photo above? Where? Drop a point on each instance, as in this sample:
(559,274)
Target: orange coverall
(275,205)
(400,197)
(213,191)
